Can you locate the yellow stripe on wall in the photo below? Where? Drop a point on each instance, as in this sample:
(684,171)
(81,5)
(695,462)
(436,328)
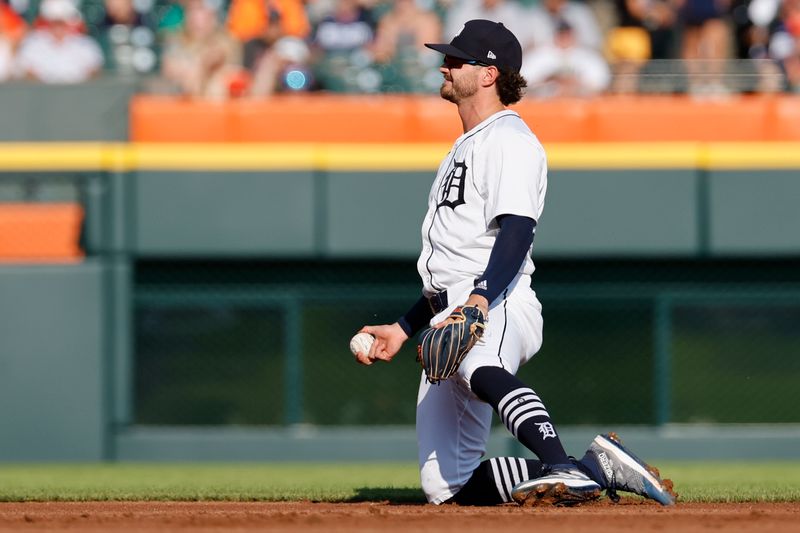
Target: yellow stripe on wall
(53,156)
(390,157)
(380,157)
(624,155)
(223,156)
(734,156)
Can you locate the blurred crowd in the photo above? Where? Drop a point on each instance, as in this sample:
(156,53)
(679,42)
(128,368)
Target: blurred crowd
(223,49)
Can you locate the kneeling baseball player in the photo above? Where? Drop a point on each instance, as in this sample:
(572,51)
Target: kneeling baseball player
(486,320)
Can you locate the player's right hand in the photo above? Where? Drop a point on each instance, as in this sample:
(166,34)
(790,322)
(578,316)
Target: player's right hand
(389,338)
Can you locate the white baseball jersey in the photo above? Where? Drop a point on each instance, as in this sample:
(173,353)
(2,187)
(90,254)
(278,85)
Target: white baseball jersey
(497,168)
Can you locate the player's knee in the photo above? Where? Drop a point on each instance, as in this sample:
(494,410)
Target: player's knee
(434,486)
(467,371)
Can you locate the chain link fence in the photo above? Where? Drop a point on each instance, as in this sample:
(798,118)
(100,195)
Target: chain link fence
(267,344)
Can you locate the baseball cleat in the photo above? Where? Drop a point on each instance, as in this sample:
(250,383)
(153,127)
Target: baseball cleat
(619,469)
(563,485)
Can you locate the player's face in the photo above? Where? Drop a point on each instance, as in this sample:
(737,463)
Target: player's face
(460,79)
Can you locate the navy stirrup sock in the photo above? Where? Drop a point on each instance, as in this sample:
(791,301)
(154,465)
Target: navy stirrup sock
(521,410)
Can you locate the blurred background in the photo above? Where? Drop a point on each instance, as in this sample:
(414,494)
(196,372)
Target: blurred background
(201,201)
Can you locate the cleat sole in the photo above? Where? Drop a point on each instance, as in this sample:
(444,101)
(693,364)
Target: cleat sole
(558,494)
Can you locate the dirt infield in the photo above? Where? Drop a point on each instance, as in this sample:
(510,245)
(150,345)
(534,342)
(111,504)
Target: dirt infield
(386,517)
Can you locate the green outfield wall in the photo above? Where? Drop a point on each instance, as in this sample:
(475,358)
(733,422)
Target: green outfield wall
(222,284)
(54,369)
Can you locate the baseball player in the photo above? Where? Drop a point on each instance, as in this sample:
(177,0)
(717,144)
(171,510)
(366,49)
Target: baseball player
(477,235)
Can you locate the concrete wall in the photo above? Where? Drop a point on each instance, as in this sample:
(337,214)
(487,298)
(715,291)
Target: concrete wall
(87,112)
(621,213)
(228,214)
(588,213)
(53,369)
(754,213)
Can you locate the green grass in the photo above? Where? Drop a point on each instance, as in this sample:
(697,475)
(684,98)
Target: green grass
(732,482)
(397,482)
(234,482)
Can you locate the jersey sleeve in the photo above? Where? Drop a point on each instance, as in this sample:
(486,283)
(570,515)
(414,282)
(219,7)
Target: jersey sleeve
(516,177)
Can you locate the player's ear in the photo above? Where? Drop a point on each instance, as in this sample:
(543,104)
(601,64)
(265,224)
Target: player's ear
(490,75)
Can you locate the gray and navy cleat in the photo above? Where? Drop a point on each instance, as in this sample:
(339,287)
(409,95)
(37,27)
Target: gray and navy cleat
(617,468)
(561,485)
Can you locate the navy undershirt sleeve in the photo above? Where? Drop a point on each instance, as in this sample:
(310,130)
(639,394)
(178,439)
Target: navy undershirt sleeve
(417,317)
(511,246)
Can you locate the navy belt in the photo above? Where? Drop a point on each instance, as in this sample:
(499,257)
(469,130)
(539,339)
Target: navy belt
(438,302)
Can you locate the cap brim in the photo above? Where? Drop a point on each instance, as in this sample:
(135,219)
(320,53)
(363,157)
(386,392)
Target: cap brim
(449,50)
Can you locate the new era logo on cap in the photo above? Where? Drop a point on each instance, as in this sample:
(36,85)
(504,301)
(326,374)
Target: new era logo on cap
(485,41)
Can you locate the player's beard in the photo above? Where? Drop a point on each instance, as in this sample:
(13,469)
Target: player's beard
(458,90)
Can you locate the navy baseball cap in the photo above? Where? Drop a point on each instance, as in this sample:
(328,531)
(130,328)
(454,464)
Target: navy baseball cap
(484,41)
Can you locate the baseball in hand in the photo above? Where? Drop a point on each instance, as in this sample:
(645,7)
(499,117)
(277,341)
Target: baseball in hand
(361,342)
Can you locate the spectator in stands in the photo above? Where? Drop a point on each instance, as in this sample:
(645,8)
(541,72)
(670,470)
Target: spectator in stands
(258,24)
(341,44)
(316,10)
(273,34)
(56,52)
(406,27)
(172,17)
(644,30)
(756,22)
(127,40)
(749,40)
(399,46)
(509,12)
(285,66)
(784,44)
(121,13)
(350,27)
(6,58)
(12,25)
(565,68)
(202,60)
(705,45)
(12,29)
(658,18)
(548,15)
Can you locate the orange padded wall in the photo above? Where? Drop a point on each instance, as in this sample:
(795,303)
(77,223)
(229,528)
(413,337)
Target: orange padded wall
(40,232)
(410,119)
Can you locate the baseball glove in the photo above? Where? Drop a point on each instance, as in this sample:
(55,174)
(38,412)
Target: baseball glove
(440,351)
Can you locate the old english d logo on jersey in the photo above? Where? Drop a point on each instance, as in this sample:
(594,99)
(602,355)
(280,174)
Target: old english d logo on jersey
(453,186)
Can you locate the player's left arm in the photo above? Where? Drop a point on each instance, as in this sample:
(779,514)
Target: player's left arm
(511,246)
